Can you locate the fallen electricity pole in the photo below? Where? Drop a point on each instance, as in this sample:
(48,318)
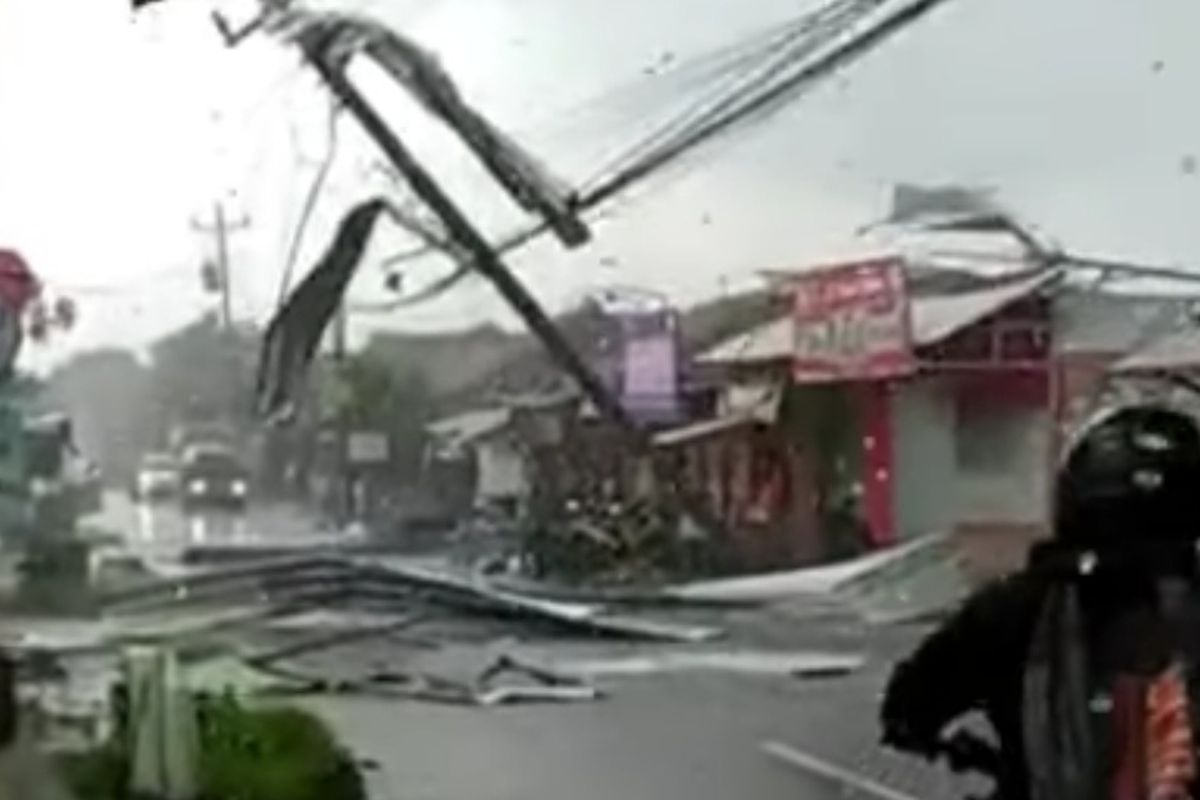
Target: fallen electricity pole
(461,230)
(328,41)
(488,263)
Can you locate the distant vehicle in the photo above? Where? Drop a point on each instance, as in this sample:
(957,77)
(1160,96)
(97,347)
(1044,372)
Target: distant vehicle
(212,476)
(157,478)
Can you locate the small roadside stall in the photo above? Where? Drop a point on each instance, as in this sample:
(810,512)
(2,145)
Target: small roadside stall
(920,412)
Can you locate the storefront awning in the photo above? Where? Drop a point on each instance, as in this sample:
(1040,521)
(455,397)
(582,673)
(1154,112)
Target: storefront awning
(704,429)
(461,430)
(745,406)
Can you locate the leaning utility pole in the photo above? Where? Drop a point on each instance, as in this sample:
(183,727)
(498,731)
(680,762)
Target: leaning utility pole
(668,487)
(220,228)
(461,230)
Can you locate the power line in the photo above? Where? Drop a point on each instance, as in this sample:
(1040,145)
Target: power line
(733,68)
(802,38)
(761,103)
(764,101)
(701,70)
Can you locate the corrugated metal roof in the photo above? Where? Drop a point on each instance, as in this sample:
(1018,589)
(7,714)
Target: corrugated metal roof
(744,405)
(462,429)
(702,429)
(1179,350)
(934,318)
(770,341)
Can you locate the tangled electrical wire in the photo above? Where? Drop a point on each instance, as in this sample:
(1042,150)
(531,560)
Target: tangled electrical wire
(742,84)
(723,90)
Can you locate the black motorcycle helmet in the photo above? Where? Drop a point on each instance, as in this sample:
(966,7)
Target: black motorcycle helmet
(1132,474)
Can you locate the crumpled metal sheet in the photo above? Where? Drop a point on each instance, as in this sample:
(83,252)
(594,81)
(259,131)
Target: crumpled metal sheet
(526,684)
(293,335)
(337,37)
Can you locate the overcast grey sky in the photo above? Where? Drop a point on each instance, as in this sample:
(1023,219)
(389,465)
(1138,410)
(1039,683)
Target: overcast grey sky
(117,131)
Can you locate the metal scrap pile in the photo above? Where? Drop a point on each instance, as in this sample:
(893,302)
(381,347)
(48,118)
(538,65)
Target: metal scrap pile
(337,625)
(605,542)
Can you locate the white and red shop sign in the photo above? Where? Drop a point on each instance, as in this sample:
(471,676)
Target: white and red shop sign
(852,322)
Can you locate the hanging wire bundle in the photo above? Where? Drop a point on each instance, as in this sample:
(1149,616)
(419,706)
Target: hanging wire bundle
(716,94)
(706,97)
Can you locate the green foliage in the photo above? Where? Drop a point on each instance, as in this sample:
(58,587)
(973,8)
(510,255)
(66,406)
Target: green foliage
(370,390)
(245,754)
(203,371)
(374,395)
(271,754)
(100,774)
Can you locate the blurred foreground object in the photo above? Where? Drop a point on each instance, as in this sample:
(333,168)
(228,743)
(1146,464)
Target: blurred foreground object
(162,727)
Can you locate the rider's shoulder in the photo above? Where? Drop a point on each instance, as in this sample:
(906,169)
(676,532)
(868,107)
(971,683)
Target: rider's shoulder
(1007,594)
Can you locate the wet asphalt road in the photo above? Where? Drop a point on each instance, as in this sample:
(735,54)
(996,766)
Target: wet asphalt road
(161,530)
(665,736)
(690,737)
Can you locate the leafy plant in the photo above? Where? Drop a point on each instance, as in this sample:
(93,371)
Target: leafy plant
(245,754)
(271,754)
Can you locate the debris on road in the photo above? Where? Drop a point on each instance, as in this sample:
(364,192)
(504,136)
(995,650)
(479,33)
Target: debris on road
(822,580)
(393,581)
(467,594)
(913,581)
(326,641)
(849,781)
(794,664)
(524,683)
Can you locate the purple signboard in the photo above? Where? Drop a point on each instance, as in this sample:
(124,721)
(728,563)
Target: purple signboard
(650,366)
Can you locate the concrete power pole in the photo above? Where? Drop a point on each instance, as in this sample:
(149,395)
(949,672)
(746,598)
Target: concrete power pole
(220,228)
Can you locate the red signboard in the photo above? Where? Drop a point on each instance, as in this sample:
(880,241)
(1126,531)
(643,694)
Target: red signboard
(852,322)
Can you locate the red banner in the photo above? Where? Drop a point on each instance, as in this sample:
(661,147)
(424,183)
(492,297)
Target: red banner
(852,322)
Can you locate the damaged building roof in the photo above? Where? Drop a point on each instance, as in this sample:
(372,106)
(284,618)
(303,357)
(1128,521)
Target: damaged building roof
(935,316)
(745,405)
(461,429)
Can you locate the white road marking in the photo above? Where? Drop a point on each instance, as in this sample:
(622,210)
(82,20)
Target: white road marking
(816,766)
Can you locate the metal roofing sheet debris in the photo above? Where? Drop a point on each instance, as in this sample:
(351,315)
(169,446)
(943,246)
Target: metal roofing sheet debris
(846,576)
(700,430)
(770,341)
(464,428)
(800,662)
(937,317)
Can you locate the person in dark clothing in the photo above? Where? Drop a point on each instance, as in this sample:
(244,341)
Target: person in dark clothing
(1126,508)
